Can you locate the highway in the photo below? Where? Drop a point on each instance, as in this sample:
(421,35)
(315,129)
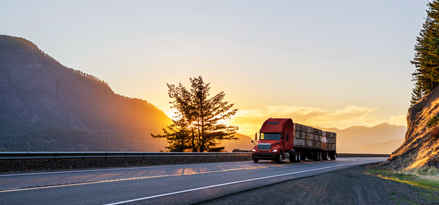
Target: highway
(173,184)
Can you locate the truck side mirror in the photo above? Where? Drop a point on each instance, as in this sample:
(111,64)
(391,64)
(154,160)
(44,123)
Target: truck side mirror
(256,136)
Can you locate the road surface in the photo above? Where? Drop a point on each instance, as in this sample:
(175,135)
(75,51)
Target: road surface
(173,184)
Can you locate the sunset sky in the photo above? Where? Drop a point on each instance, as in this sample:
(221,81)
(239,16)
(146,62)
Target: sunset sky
(322,63)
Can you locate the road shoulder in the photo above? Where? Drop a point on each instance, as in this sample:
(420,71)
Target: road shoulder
(354,185)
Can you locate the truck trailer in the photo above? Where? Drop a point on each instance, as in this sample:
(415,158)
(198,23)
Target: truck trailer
(280,138)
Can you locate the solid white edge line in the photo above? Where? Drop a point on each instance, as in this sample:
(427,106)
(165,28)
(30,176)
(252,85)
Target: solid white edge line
(228,183)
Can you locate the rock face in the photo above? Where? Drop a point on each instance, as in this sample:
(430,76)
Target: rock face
(419,148)
(47,106)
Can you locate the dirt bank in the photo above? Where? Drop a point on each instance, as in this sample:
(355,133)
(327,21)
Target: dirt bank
(356,185)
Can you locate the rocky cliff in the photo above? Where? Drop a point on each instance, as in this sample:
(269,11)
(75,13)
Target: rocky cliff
(419,148)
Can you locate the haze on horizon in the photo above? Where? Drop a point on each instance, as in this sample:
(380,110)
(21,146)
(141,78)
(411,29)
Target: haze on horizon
(327,64)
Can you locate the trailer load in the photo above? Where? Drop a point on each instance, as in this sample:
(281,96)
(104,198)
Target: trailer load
(280,138)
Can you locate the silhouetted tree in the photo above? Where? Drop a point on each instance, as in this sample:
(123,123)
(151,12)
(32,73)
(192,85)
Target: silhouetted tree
(200,119)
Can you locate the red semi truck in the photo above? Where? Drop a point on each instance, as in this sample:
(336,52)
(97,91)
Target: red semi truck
(280,138)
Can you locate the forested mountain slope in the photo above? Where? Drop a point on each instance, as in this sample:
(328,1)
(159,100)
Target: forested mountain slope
(47,106)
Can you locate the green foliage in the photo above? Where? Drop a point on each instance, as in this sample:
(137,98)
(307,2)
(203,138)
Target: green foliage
(407,177)
(433,121)
(417,93)
(426,58)
(199,125)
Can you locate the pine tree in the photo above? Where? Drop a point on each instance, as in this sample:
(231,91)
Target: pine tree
(426,58)
(417,94)
(210,113)
(200,125)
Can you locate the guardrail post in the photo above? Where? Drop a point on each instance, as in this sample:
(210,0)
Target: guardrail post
(158,160)
(185,159)
(125,164)
(172,162)
(82,163)
(53,167)
(196,159)
(143,161)
(105,162)
(22,165)
(225,158)
(207,159)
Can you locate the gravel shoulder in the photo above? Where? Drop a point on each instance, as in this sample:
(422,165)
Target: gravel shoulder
(356,185)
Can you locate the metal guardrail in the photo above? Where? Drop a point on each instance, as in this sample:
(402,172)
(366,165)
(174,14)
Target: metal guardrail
(361,155)
(28,161)
(67,155)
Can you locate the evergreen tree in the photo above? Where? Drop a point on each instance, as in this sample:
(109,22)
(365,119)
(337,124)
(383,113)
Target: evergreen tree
(426,58)
(417,94)
(210,113)
(200,125)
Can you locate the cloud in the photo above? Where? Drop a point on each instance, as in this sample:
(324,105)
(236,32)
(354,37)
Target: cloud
(398,120)
(251,120)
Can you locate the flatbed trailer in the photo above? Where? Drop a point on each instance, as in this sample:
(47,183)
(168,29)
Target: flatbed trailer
(281,138)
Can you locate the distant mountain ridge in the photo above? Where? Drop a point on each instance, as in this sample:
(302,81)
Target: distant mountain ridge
(357,136)
(76,111)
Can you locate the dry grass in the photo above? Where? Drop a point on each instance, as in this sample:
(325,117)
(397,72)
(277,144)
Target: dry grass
(429,173)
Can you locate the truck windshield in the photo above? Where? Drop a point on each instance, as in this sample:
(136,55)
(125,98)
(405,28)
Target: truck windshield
(270,136)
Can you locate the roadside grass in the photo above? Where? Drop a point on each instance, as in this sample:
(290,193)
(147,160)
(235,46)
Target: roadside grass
(412,177)
(421,178)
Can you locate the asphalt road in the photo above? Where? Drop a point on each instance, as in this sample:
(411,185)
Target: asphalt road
(177,184)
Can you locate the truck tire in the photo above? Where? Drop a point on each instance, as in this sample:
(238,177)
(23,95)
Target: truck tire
(279,158)
(325,156)
(293,156)
(255,160)
(333,156)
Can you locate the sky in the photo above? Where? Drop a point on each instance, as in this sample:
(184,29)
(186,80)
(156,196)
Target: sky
(321,63)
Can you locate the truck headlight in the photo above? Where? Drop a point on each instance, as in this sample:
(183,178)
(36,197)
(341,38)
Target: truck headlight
(275,150)
(253,150)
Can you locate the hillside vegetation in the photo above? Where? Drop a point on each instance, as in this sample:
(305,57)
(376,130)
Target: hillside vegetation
(47,106)
(419,148)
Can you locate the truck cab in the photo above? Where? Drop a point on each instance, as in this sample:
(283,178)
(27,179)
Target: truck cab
(275,140)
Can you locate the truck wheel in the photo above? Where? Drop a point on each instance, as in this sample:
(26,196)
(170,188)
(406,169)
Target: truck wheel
(255,160)
(325,156)
(279,158)
(293,156)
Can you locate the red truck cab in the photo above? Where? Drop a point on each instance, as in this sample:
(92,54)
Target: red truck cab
(275,140)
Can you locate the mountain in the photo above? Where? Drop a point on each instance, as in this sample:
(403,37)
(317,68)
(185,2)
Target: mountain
(374,148)
(358,136)
(243,143)
(45,106)
(420,147)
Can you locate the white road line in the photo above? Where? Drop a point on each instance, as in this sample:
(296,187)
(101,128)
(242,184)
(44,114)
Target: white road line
(120,168)
(230,183)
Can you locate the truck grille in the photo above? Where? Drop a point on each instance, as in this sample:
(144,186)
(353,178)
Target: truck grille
(264,146)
